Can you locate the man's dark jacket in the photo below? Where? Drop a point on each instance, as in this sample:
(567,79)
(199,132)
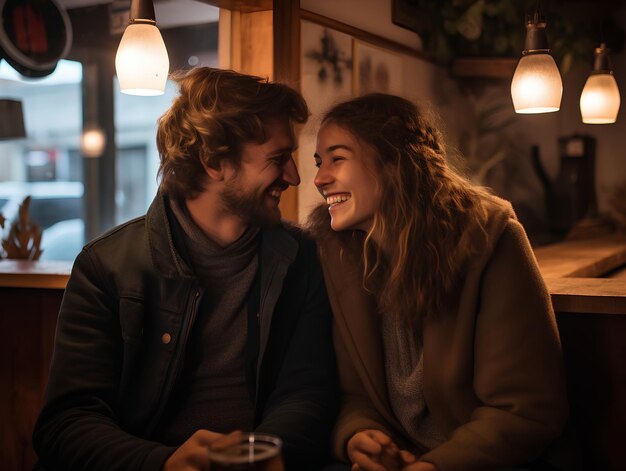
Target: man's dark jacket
(126,315)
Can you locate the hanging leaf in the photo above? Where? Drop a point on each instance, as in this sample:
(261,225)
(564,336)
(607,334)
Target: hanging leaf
(566,62)
(470,25)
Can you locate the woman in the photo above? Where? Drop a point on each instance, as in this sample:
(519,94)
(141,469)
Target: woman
(446,340)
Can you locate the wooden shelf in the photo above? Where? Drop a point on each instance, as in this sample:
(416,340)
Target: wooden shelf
(495,68)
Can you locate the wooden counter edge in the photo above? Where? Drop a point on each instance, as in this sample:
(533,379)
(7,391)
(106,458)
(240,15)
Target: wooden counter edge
(585,258)
(588,295)
(574,295)
(39,274)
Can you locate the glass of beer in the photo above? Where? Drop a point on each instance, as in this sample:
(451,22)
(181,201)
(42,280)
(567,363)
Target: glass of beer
(255,451)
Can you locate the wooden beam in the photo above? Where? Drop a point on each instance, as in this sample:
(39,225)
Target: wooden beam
(499,68)
(287,41)
(256,44)
(286,20)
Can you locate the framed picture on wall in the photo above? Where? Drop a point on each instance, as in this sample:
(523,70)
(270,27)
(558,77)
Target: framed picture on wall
(409,15)
(377,70)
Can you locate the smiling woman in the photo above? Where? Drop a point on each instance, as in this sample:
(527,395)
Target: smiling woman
(345,178)
(435,292)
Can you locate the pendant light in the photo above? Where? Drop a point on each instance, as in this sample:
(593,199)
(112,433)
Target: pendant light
(536,86)
(141,62)
(600,100)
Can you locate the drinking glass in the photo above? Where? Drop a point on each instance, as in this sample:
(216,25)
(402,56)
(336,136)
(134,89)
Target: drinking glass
(255,451)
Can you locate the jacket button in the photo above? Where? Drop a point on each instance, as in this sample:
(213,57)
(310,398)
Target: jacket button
(166,338)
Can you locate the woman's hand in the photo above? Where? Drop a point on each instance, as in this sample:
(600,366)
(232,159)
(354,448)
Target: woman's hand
(373,450)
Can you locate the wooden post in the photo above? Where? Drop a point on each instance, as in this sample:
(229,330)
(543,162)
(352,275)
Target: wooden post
(286,16)
(264,43)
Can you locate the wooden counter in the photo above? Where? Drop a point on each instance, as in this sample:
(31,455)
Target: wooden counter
(588,258)
(30,297)
(591,316)
(589,297)
(575,272)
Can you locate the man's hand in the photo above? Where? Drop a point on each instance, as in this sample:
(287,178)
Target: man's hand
(420,466)
(193,455)
(373,450)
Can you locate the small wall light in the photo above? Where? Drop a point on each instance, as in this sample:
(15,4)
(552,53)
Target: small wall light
(536,86)
(600,99)
(92,141)
(141,62)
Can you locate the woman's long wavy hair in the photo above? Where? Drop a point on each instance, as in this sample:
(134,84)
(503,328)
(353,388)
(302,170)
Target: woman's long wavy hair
(215,113)
(430,219)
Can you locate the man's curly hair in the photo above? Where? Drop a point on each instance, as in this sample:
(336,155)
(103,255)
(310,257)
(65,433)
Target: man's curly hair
(215,113)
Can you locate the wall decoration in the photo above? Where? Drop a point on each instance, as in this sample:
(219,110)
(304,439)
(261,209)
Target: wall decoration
(327,58)
(325,79)
(377,70)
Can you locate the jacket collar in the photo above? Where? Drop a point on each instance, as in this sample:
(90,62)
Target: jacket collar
(165,239)
(278,251)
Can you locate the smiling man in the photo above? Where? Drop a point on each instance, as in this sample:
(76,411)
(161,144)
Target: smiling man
(208,314)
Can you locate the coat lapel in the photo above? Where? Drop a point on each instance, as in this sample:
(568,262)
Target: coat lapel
(357,321)
(278,251)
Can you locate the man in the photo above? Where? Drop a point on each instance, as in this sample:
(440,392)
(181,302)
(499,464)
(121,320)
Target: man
(208,314)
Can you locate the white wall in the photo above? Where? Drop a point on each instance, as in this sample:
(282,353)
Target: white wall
(422,81)
(430,86)
(369,15)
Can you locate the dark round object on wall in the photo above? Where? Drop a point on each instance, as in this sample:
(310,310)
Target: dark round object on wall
(34,35)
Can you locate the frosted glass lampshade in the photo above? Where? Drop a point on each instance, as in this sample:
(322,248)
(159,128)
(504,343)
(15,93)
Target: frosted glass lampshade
(92,142)
(600,100)
(536,85)
(141,62)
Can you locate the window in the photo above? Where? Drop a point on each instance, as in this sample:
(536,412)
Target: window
(46,164)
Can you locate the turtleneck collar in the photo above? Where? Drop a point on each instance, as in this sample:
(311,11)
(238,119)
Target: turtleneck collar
(211,261)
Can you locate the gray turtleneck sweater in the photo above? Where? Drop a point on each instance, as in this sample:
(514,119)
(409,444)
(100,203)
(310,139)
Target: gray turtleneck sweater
(404,367)
(212,392)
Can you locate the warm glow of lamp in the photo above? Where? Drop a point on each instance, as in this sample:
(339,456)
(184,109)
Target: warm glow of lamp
(536,86)
(600,99)
(141,62)
(92,141)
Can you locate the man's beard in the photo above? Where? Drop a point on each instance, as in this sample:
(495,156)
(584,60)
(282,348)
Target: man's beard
(249,205)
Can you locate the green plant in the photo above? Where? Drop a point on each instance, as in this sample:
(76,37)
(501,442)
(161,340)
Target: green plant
(484,143)
(495,28)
